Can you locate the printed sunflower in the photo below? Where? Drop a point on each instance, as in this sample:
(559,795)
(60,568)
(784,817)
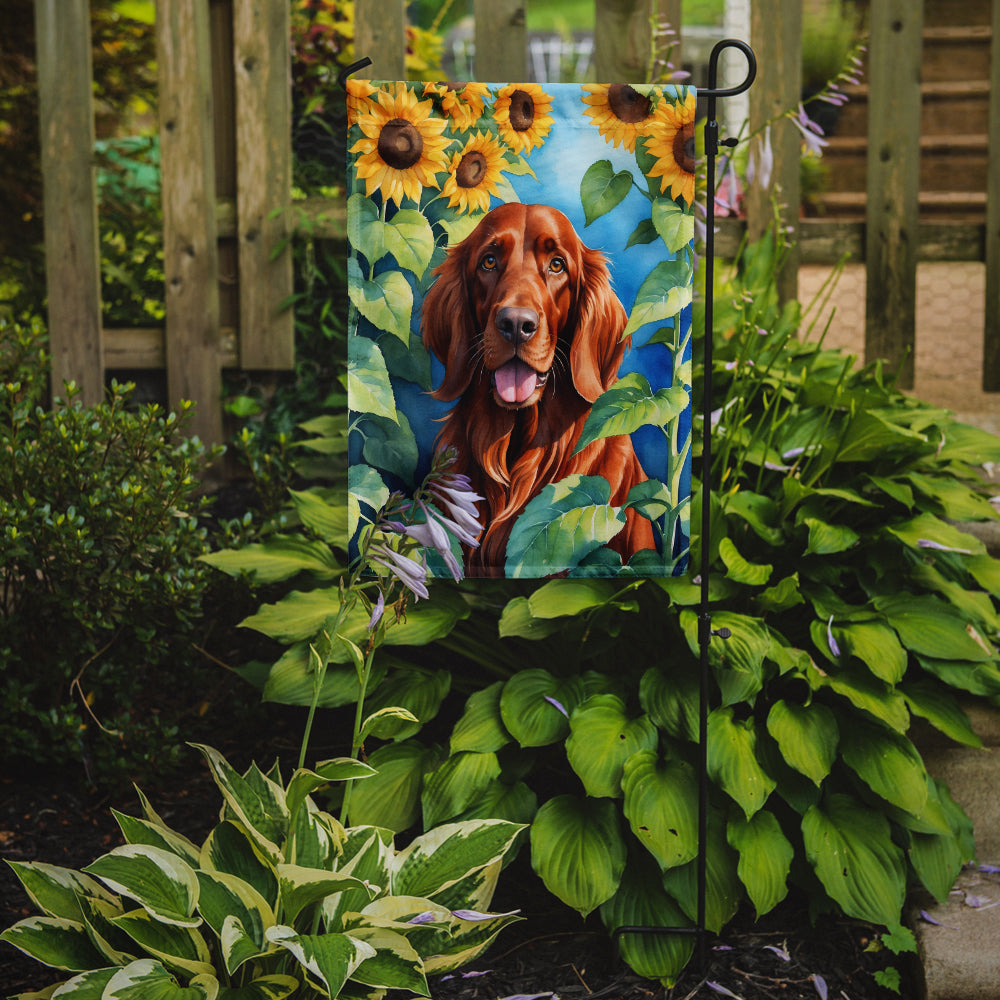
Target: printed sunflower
(670,138)
(402,147)
(474,173)
(523,114)
(462,103)
(359,100)
(619,111)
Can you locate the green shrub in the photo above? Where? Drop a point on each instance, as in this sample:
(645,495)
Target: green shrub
(855,604)
(101,584)
(279,900)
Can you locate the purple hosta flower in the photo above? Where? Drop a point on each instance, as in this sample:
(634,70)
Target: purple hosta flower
(780,952)
(812,134)
(834,648)
(719,988)
(928,543)
(729,194)
(409,572)
(475,915)
(820,983)
(760,164)
(558,705)
(990,869)
(427,917)
(377,612)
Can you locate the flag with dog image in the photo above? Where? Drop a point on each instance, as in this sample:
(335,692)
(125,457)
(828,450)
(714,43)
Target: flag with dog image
(520,281)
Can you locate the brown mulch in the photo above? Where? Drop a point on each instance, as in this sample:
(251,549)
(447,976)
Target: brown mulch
(551,953)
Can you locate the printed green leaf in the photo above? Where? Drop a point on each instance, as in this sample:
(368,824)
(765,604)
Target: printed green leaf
(674,225)
(602,189)
(391,445)
(602,738)
(364,486)
(561,526)
(641,901)
(664,293)
(481,726)
(661,799)
(147,979)
(630,404)
(732,760)
(409,238)
(644,232)
(365,230)
(577,850)
(765,858)
(368,385)
(56,942)
(807,736)
(158,880)
(530,706)
(888,763)
(330,958)
(850,848)
(386,301)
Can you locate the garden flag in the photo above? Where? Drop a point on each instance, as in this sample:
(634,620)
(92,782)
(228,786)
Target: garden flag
(520,280)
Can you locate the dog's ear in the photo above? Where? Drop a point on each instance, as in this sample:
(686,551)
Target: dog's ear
(597,347)
(448,324)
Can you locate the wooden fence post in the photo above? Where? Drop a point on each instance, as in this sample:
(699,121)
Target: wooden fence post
(501,40)
(380,34)
(623,40)
(991,333)
(893,183)
(776,35)
(261,57)
(72,255)
(190,251)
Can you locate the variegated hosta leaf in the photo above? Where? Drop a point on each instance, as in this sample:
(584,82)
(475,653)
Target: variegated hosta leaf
(256,801)
(367,853)
(395,964)
(149,980)
(732,760)
(642,902)
(86,986)
(578,851)
(468,939)
(230,849)
(56,891)
(300,887)
(116,947)
(315,838)
(274,987)
(225,897)
(54,941)
(851,849)
(158,880)
(602,738)
(177,947)
(142,831)
(765,858)
(304,782)
(661,799)
(329,959)
(807,736)
(441,857)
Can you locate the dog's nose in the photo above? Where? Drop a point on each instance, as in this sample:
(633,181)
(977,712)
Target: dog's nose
(516,324)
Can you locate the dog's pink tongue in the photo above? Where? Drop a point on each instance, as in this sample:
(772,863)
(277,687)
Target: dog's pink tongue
(515,381)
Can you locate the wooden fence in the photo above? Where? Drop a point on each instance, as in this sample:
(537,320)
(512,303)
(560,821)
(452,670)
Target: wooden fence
(226,161)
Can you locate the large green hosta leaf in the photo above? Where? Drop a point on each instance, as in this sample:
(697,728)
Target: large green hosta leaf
(807,736)
(661,806)
(765,858)
(732,760)
(578,851)
(670,698)
(738,661)
(888,763)
(278,558)
(641,901)
(456,784)
(602,738)
(391,798)
(930,627)
(850,848)
(535,706)
(481,726)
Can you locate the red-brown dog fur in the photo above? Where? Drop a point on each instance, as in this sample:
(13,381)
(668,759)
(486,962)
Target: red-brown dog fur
(523,261)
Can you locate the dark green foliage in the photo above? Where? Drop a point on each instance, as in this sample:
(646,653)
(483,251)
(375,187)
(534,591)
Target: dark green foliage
(101,587)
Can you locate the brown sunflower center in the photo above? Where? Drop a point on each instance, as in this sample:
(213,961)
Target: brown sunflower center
(400,145)
(471,169)
(522,111)
(627,104)
(684,148)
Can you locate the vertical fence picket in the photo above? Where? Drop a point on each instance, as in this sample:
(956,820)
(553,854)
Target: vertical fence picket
(501,40)
(991,333)
(380,34)
(261,60)
(892,215)
(623,40)
(776,35)
(190,252)
(72,257)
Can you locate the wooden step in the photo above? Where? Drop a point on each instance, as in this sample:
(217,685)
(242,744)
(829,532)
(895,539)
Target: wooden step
(940,13)
(956,53)
(957,206)
(946,106)
(947,162)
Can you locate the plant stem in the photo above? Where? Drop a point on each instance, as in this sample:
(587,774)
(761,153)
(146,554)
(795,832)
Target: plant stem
(359,715)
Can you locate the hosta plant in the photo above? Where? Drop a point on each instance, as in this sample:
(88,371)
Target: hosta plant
(279,900)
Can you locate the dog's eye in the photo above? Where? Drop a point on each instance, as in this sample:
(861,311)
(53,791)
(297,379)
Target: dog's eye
(489,262)
(557,265)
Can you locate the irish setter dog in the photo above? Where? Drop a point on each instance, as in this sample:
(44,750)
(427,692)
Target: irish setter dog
(525,321)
